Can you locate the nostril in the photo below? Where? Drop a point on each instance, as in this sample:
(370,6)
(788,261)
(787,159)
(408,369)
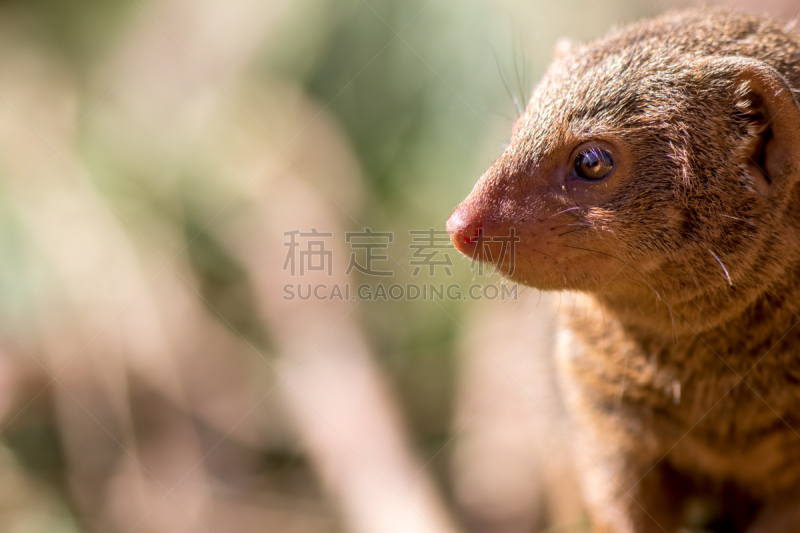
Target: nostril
(465,231)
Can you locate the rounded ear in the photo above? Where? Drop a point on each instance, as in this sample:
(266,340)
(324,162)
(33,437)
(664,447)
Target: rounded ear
(766,102)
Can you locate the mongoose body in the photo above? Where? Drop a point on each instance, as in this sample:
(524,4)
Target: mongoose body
(655,177)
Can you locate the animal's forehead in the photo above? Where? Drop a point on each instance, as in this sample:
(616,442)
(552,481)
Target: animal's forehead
(640,79)
(637,61)
(585,94)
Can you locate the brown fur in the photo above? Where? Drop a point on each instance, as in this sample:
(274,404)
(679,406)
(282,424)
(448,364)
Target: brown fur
(679,354)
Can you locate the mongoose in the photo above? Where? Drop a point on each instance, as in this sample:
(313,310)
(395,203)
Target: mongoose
(655,177)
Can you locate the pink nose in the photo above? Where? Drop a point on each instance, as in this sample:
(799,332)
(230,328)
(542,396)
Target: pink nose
(466,231)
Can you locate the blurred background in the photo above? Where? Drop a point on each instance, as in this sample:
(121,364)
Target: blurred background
(155,157)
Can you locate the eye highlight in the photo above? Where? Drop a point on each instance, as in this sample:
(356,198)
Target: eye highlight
(593,164)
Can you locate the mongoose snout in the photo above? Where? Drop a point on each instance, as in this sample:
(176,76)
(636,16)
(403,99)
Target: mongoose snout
(655,176)
(626,157)
(539,204)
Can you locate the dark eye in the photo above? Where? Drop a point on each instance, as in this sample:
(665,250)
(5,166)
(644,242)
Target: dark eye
(594,164)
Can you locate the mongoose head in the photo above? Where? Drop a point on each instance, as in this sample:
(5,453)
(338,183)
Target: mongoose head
(665,157)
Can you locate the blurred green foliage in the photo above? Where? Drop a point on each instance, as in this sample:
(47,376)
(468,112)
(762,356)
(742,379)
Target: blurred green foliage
(417,92)
(421,91)
(79,31)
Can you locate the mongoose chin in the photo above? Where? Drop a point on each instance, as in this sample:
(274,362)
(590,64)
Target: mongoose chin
(655,174)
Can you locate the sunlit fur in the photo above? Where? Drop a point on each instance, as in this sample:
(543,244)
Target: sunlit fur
(680,343)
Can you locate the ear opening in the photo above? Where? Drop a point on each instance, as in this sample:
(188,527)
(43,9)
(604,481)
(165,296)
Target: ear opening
(753,152)
(771,118)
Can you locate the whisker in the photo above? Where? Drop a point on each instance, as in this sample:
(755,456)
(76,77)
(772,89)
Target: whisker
(628,264)
(582,225)
(555,263)
(571,224)
(733,218)
(725,270)
(573,231)
(562,212)
(507,85)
